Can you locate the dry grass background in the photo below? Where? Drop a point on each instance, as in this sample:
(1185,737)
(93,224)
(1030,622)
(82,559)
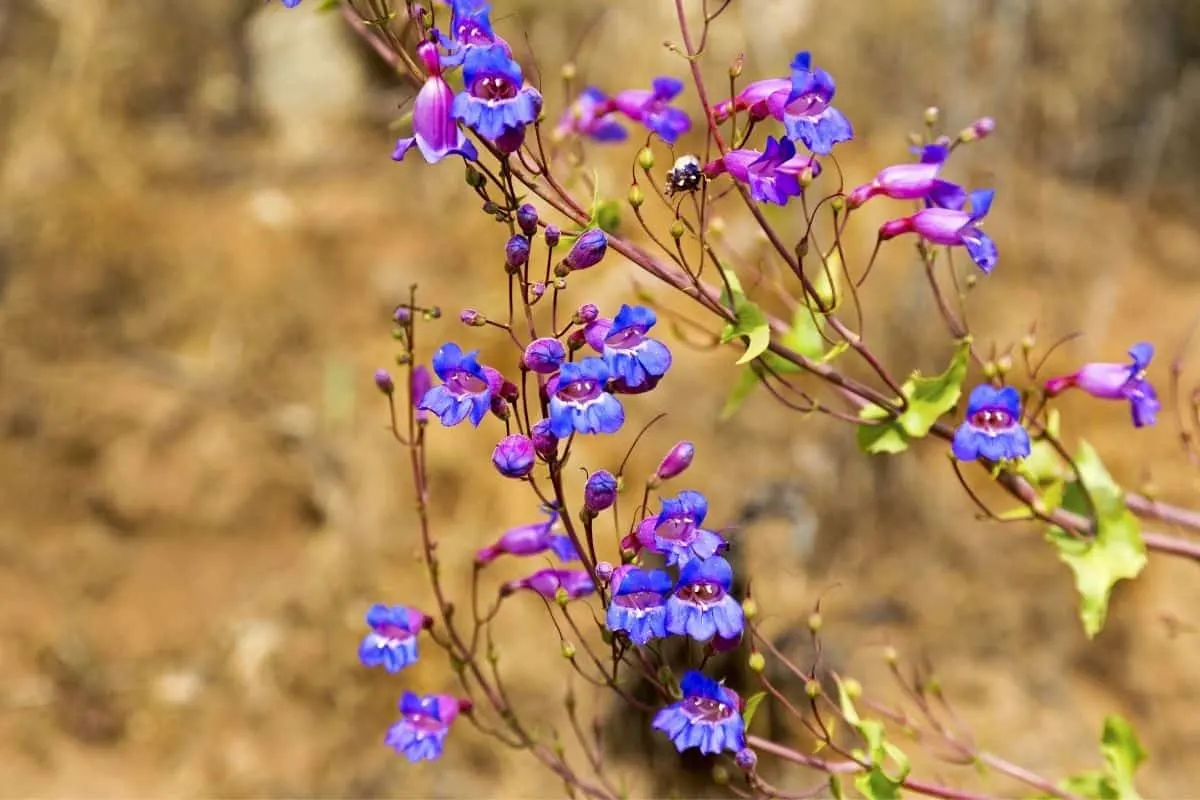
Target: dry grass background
(201,237)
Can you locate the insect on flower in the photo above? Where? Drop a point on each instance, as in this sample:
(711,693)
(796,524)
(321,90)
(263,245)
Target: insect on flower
(685,176)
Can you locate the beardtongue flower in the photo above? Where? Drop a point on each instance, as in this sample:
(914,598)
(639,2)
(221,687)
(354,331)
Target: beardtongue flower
(951,227)
(420,735)
(528,540)
(758,99)
(806,112)
(435,131)
(470,27)
(580,402)
(572,583)
(676,531)
(514,456)
(636,362)
(708,717)
(1117,382)
(496,103)
(587,250)
(544,356)
(392,642)
(467,388)
(592,116)
(701,606)
(420,383)
(600,491)
(639,603)
(905,181)
(652,108)
(992,428)
(674,463)
(774,175)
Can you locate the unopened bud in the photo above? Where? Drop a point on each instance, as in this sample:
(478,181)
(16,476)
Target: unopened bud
(604,570)
(470,316)
(1028,342)
(720,775)
(750,608)
(990,369)
(971,280)
(568,71)
(383,380)
(716,226)
(812,688)
(636,196)
(475,178)
(561,270)
(853,688)
(645,158)
(677,229)
(516,252)
(757,662)
(814,622)
(431,313)
(536,290)
(931,116)
(527,219)
(568,650)
(588,312)
(1004,364)
(551,235)
(746,759)
(677,459)
(979,129)
(588,249)
(890,656)
(838,202)
(735,69)
(600,491)
(562,597)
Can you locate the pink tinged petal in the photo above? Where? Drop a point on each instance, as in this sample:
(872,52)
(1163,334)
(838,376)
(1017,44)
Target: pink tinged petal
(436,131)
(1105,381)
(940,225)
(906,181)
(737,163)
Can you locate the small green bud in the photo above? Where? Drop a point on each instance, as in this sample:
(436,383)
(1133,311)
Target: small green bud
(560,283)
(645,158)
(568,650)
(812,688)
(403,359)
(636,196)
(890,656)
(838,203)
(720,775)
(750,608)
(853,688)
(757,662)
(562,597)
(433,312)
(716,227)
(990,370)
(568,71)
(475,178)
(931,116)
(1028,342)
(677,229)
(814,622)
(492,655)
(1004,364)
(735,69)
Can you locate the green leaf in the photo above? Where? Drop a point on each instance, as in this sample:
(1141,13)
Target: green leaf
(607,215)
(835,787)
(1116,552)
(928,399)
(752,704)
(751,323)
(875,783)
(328,5)
(1122,755)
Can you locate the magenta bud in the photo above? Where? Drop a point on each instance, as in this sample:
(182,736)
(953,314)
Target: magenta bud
(527,219)
(576,340)
(746,759)
(470,316)
(516,252)
(604,570)
(551,235)
(600,491)
(498,407)
(537,289)
(979,129)
(588,250)
(524,540)
(678,459)
(508,391)
(544,356)
(419,385)
(545,443)
(548,582)
(587,313)
(514,456)
(383,379)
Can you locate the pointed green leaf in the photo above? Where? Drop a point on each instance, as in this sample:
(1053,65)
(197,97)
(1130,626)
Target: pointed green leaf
(752,704)
(835,787)
(751,325)
(607,215)
(886,437)
(875,783)
(1122,755)
(1116,552)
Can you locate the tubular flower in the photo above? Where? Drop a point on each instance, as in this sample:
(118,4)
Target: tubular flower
(528,540)
(950,226)
(496,103)
(466,390)
(651,108)
(424,722)
(807,114)
(573,583)
(774,175)
(435,132)
(708,717)
(905,181)
(758,99)
(637,363)
(701,606)
(580,402)
(392,642)
(593,116)
(676,531)
(1117,382)
(992,428)
(639,603)
(470,27)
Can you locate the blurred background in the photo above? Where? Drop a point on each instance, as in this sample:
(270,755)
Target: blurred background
(202,238)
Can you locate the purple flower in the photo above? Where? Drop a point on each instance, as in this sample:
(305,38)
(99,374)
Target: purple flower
(905,181)
(435,132)
(527,219)
(544,356)
(708,717)
(591,115)
(944,224)
(290,3)
(701,606)
(516,252)
(676,531)
(677,459)
(528,540)
(513,457)
(392,642)
(639,603)
(992,428)
(466,390)
(470,27)
(636,362)
(807,113)
(545,443)
(587,250)
(588,312)
(600,491)
(761,99)
(579,402)
(548,582)
(496,103)
(1117,382)
(419,385)
(424,722)
(651,108)
(774,175)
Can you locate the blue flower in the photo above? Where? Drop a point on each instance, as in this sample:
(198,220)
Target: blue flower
(579,401)
(808,115)
(424,722)
(392,642)
(470,28)
(636,362)
(651,108)
(466,390)
(591,116)
(496,100)
(290,3)
(701,606)
(676,531)
(708,717)
(639,604)
(992,429)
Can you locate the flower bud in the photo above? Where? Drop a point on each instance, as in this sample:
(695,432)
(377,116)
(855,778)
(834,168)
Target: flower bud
(551,235)
(750,608)
(470,316)
(604,570)
(513,456)
(402,315)
(853,688)
(979,129)
(636,196)
(576,340)
(475,178)
(383,380)
(588,312)
(735,69)
(757,662)
(814,622)
(536,290)
(677,230)
(677,459)
(645,158)
(545,443)
(931,116)
(720,775)
(1004,364)
(1028,342)
(420,382)
(568,650)
(527,219)
(499,408)
(746,759)
(587,250)
(600,491)
(812,688)
(544,355)
(516,252)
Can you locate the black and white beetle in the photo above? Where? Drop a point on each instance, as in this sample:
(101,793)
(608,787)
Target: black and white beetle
(685,176)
